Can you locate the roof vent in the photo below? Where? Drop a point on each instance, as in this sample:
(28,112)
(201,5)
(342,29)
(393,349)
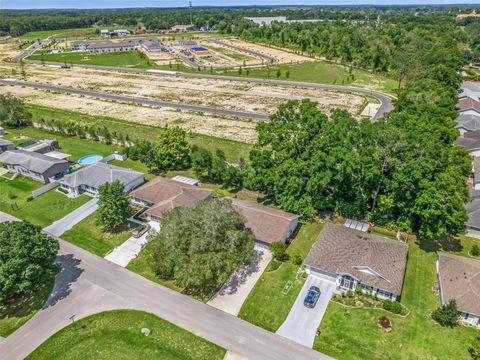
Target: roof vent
(356,225)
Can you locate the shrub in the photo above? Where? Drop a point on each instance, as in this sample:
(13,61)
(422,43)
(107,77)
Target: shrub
(392,306)
(446,315)
(475,250)
(30,198)
(359,289)
(350,293)
(297,259)
(273,265)
(278,250)
(11,195)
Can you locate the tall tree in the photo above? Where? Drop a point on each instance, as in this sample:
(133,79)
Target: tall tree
(172,150)
(13,112)
(113,205)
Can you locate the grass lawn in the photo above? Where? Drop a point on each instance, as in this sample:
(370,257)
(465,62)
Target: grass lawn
(268,305)
(233,149)
(133,59)
(117,335)
(353,333)
(41,211)
(33,35)
(142,265)
(88,235)
(16,313)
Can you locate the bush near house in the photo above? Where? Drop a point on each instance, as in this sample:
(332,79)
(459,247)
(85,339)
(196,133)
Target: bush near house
(475,250)
(447,315)
(279,250)
(392,306)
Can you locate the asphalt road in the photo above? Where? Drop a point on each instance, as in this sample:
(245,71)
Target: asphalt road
(89,284)
(136,100)
(385,100)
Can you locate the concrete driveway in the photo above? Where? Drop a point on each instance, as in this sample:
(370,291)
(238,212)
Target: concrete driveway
(232,295)
(61,226)
(302,322)
(129,250)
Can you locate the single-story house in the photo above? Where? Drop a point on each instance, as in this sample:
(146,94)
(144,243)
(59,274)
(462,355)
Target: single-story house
(267,224)
(468,122)
(180,28)
(34,165)
(468,106)
(471,141)
(5,145)
(470,90)
(351,258)
(40,146)
(120,32)
(459,280)
(473,212)
(162,194)
(92,176)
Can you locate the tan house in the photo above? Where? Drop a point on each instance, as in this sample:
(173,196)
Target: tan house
(351,258)
(267,224)
(162,194)
(459,280)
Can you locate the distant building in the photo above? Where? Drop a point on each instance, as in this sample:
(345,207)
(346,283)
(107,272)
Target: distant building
(5,145)
(200,51)
(267,20)
(106,46)
(180,28)
(120,32)
(143,31)
(40,146)
(152,45)
(34,165)
(105,33)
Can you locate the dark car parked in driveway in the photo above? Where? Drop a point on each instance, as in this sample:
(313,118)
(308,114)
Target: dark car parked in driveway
(312,297)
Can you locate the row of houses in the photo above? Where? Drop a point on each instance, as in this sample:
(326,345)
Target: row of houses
(151,45)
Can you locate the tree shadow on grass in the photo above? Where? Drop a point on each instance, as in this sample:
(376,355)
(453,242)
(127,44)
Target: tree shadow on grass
(69,273)
(445,243)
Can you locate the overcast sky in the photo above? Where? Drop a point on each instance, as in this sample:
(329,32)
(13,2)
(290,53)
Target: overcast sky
(85,4)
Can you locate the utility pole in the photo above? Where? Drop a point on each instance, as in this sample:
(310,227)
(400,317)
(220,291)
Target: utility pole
(191,17)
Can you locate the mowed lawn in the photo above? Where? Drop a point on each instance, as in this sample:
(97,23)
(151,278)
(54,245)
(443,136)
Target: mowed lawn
(16,313)
(33,35)
(275,292)
(354,334)
(133,59)
(43,210)
(117,335)
(233,149)
(89,236)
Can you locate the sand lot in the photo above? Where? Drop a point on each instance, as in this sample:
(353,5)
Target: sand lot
(214,93)
(9,50)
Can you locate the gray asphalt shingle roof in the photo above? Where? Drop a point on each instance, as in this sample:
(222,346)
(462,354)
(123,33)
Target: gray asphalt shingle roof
(100,173)
(468,122)
(340,250)
(32,161)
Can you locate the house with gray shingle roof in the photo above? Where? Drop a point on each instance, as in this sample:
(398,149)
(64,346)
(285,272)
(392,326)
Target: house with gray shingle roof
(459,280)
(468,122)
(351,258)
(5,145)
(92,176)
(470,90)
(36,166)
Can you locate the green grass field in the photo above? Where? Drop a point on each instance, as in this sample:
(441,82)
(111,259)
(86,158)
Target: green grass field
(353,334)
(41,211)
(233,149)
(117,335)
(133,59)
(16,313)
(88,235)
(33,35)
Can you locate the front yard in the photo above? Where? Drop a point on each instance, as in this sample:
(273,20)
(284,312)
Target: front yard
(88,235)
(349,333)
(15,199)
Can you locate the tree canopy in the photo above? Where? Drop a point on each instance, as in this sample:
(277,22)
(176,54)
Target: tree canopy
(13,113)
(200,247)
(113,205)
(27,258)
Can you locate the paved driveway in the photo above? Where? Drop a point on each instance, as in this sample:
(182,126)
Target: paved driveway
(232,295)
(61,226)
(129,250)
(302,322)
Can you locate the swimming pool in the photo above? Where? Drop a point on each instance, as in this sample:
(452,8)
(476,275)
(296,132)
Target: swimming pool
(90,159)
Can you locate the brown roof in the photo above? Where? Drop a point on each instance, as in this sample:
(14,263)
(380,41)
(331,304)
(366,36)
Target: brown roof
(267,224)
(459,279)
(166,194)
(467,104)
(340,250)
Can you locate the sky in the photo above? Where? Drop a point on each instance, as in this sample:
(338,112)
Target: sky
(86,4)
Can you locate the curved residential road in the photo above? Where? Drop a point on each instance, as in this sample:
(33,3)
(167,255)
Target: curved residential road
(88,284)
(385,100)
(137,100)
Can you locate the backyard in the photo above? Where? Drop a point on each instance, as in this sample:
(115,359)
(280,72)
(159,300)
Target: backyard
(353,333)
(117,335)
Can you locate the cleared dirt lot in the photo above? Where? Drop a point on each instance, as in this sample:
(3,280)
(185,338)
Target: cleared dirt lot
(9,51)
(214,93)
